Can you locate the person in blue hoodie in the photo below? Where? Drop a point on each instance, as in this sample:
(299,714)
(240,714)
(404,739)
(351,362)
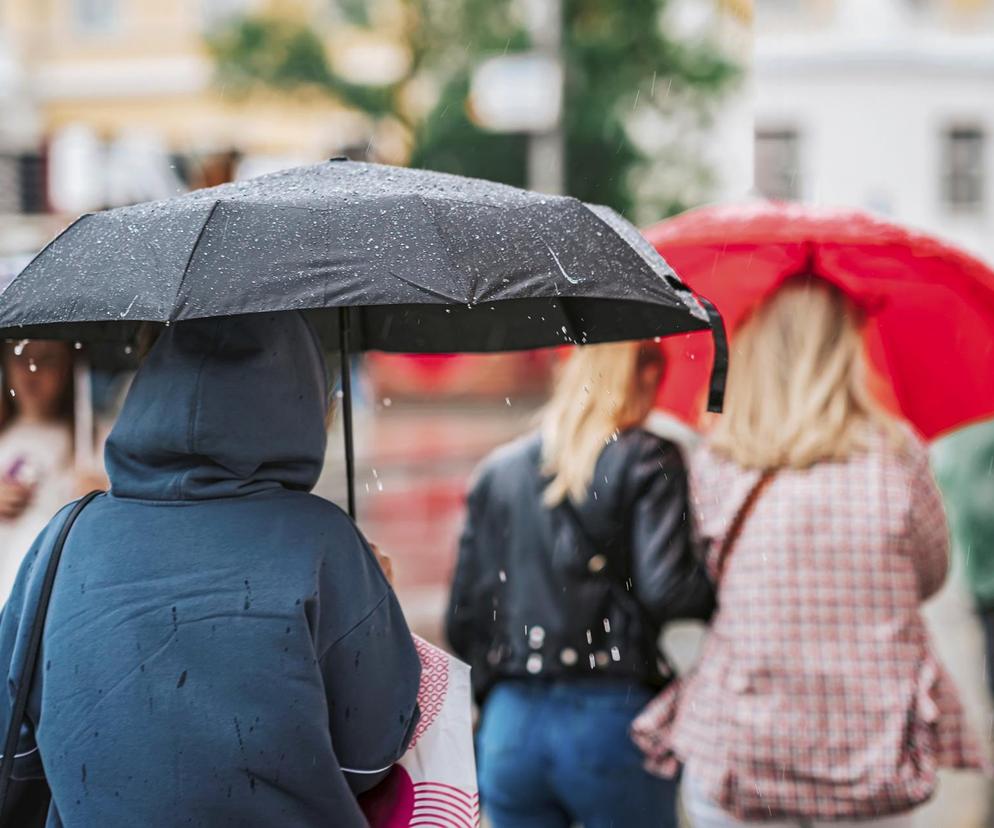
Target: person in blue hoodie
(222,647)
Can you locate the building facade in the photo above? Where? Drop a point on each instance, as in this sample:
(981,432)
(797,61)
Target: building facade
(108,102)
(882,104)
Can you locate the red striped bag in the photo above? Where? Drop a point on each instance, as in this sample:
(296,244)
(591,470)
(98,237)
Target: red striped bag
(434,784)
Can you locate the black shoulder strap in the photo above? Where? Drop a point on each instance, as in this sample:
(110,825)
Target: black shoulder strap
(31,656)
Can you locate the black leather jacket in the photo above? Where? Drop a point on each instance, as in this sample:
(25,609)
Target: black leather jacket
(580,590)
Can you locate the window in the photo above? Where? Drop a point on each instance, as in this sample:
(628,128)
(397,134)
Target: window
(95,16)
(22,183)
(963,168)
(10,200)
(777,154)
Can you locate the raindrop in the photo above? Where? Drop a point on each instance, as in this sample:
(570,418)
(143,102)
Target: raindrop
(508,401)
(32,366)
(78,346)
(13,393)
(20,346)
(387,402)
(503,576)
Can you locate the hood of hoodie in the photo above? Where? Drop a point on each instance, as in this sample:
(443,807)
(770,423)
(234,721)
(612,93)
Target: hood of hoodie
(223,408)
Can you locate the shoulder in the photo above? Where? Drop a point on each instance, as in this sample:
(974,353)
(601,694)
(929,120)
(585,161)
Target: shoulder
(641,460)
(714,478)
(900,448)
(638,444)
(524,453)
(324,527)
(329,515)
(348,574)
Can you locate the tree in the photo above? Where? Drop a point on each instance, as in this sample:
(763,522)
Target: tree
(622,70)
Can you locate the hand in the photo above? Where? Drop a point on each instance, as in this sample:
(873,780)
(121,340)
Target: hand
(385,564)
(14,499)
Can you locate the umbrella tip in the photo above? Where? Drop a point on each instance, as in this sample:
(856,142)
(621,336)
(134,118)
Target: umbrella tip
(338,158)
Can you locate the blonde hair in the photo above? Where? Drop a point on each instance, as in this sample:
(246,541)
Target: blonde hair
(797,387)
(599,393)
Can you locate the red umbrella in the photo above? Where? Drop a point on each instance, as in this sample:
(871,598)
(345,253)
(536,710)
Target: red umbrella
(930,331)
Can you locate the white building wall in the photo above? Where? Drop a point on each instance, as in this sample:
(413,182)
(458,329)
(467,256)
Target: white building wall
(871,94)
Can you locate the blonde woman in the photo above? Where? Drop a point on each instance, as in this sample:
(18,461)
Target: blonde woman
(818,699)
(577,549)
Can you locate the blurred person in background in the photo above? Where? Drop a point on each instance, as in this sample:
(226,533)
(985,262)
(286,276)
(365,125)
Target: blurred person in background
(818,698)
(36,445)
(964,466)
(577,550)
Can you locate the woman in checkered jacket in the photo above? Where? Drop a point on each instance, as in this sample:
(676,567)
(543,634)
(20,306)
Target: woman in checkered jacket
(818,697)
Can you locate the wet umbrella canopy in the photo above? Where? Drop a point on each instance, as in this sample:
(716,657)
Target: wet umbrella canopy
(411,261)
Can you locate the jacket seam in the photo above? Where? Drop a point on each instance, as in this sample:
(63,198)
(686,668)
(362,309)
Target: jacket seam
(354,627)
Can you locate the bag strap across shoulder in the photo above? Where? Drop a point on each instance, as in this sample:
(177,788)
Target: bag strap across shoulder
(34,646)
(738,522)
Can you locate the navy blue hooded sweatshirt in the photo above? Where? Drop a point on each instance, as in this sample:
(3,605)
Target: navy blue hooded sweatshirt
(222,647)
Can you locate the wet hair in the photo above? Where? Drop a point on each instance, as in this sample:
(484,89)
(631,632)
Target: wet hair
(797,387)
(598,394)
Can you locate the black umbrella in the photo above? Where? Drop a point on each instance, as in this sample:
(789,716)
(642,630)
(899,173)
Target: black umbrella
(409,260)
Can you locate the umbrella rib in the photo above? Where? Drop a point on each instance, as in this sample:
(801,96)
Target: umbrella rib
(426,290)
(189,259)
(57,236)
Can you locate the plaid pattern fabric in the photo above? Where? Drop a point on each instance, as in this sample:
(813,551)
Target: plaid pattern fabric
(818,694)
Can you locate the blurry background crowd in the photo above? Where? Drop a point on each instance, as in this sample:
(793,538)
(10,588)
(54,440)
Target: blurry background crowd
(650,106)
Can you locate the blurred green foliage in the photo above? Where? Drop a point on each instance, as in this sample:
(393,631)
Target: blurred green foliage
(617,56)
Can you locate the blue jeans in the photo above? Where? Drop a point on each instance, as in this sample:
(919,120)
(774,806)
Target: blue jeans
(553,755)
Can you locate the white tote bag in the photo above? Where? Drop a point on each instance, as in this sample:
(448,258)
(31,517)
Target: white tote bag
(434,784)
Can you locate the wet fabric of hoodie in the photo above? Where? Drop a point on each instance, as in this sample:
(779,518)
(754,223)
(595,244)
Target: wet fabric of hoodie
(222,647)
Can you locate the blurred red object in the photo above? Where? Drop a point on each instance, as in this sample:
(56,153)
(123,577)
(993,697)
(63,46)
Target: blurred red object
(930,305)
(496,376)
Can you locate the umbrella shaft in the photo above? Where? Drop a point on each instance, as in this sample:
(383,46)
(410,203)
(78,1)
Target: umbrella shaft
(346,368)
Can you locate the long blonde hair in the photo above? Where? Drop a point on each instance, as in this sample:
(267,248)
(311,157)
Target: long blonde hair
(797,387)
(600,393)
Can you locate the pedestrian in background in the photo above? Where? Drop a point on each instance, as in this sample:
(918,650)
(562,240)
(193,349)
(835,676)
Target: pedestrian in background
(36,445)
(964,466)
(818,698)
(578,548)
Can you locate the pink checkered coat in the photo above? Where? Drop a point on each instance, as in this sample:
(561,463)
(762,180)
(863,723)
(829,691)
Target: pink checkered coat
(818,694)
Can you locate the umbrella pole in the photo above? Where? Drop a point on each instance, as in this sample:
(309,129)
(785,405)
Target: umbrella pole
(85,452)
(346,370)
